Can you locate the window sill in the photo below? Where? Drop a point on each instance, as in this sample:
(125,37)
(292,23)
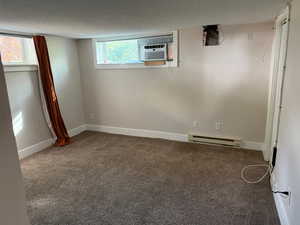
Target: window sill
(20,68)
(133,66)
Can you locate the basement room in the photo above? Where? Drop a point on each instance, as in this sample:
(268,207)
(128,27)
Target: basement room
(149,113)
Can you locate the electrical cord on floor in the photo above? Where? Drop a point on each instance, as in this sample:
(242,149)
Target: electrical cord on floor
(258,180)
(286,194)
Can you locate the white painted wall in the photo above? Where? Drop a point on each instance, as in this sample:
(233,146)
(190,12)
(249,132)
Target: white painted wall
(24,94)
(288,161)
(12,196)
(25,102)
(226,83)
(66,73)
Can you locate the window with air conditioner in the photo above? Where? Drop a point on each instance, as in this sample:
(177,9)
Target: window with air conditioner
(136,51)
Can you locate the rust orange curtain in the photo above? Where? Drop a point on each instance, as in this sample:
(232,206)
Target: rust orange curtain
(56,119)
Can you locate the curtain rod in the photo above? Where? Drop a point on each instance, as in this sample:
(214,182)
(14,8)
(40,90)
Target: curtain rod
(17,35)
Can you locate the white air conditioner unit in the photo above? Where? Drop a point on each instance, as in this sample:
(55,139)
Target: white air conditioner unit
(154,48)
(155,52)
(235,142)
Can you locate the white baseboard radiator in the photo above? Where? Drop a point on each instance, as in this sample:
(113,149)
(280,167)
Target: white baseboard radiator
(234,142)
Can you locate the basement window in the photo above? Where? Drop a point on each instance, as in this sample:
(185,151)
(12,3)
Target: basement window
(16,51)
(129,52)
(118,52)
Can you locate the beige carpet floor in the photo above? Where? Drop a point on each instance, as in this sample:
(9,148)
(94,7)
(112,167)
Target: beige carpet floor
(113,179)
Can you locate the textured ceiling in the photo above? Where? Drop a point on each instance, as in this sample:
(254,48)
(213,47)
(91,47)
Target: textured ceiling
(99,18)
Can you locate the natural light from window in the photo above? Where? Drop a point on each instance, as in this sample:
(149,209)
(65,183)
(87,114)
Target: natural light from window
(137,51)
(18,123)
(117,52)
(11,49)
(17,50)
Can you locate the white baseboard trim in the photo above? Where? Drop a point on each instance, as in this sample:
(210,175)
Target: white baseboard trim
(138,132)
(35,148)
(159,134)
(279,202)
(257,146)
(281,210)
(23,153)
(77,130)
(124,131)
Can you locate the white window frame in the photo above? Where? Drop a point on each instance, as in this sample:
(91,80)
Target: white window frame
(29,56)
(173,63)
